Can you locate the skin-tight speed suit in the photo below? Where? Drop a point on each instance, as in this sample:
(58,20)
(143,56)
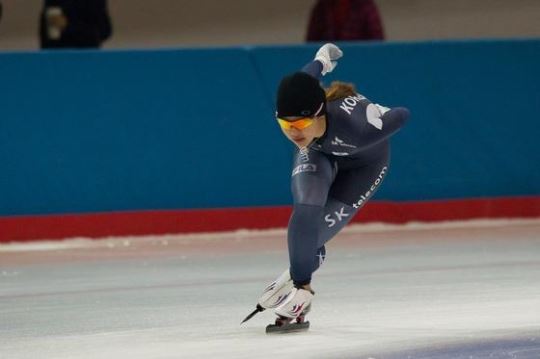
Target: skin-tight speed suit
(337,174)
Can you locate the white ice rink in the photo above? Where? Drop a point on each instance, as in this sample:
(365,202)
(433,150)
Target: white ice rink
(459,290)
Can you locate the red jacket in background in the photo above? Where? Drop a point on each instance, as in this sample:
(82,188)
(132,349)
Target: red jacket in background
(333,20)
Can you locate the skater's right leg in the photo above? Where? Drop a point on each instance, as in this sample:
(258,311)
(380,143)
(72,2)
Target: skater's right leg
(311,179)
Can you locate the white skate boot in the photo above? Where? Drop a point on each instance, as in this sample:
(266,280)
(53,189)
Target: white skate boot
(292,312)
(277,292)
(297,305)
(274,294)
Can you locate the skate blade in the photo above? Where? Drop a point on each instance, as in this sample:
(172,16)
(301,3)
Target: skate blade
(287,328)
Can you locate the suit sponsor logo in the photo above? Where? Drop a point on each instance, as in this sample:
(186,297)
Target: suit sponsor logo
(349,103)
(335,217)
(369,192)
(304,154)
(306,167)
(321,257)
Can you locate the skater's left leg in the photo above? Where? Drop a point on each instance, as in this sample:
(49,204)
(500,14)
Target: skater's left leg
(348,194)
(350,190)
(338,214)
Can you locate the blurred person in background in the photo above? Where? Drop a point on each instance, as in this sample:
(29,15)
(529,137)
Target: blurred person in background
(345,20)
(342,156)
(74,24)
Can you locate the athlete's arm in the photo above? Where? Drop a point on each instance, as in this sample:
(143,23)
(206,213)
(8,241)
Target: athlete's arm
(314,68)
(325,61)
(378,127)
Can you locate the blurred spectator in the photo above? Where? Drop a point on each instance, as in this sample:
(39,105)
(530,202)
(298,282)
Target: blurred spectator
(74,24)
(334,20)
(1,11)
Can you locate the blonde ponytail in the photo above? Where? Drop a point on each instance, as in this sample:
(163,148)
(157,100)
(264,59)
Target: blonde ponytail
(339,90)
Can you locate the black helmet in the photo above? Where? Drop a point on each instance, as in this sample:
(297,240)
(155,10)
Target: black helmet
(300,94)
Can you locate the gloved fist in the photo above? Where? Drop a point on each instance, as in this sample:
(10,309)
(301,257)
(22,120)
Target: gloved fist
(328,55)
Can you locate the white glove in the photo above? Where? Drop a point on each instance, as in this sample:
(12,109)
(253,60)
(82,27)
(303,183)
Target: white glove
(327,55)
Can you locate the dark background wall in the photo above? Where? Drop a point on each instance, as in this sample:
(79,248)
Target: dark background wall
(166,23)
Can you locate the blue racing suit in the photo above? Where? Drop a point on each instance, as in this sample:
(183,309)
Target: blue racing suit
(336,174)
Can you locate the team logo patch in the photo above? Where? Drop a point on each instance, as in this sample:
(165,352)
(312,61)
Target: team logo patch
(306,167)
(373,115)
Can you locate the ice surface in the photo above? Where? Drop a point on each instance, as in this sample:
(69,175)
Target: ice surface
(456,290)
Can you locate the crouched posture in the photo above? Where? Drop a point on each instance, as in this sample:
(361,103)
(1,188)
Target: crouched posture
(341,159)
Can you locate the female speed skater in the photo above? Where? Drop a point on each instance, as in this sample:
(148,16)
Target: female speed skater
(342,156)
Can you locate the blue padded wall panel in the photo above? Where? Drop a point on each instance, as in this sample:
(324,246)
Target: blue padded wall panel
(97,131)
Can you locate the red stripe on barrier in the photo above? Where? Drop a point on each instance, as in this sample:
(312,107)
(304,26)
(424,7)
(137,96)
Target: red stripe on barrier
(95,225)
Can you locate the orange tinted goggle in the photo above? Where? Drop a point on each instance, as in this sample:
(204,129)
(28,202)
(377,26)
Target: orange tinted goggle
(299,124)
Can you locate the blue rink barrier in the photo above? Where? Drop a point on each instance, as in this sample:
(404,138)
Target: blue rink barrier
(87,131)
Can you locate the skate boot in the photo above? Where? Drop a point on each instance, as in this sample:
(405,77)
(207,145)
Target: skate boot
(277,292)
(274,294)
(292,312)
